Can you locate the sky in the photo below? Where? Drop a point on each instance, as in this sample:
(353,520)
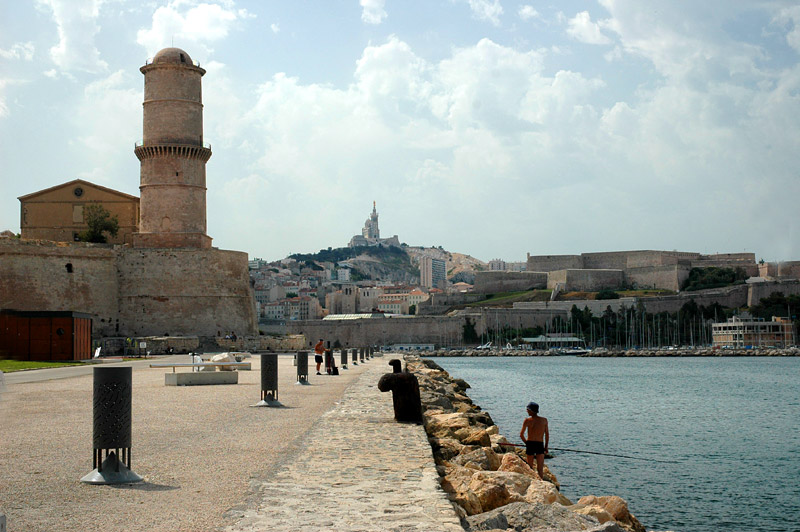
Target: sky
(493,128)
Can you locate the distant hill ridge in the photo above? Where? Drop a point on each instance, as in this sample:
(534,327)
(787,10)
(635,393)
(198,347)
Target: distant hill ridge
(392,263)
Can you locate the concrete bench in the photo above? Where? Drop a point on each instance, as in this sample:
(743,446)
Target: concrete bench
(194,378)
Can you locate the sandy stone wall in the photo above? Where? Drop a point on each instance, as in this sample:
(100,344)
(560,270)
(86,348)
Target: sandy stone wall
(131,292)
(668,277)
(79,277)
(586,280)
(439,330)
(549,263)
(185,291)
(496,282)
(758,291)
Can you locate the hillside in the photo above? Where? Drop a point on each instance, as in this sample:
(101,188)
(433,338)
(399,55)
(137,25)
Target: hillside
(394,264)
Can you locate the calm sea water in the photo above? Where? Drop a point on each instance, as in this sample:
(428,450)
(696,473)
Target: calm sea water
(732,425)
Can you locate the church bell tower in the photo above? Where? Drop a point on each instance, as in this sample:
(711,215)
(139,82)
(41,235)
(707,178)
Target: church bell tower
(172,155)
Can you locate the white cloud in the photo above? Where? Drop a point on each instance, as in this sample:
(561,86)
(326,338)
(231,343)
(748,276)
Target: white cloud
(489,10)
(77,27)
(527,12)
(23,50)
(790,17)
(111,112)
(275,28)
(198,25)
(581,28)
(373,11)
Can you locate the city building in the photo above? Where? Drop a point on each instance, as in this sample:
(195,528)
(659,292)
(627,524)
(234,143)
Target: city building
(57,213)
(748,332)
(432,272)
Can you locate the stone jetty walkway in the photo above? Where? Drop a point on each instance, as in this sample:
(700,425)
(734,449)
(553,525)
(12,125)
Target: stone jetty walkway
(356,470)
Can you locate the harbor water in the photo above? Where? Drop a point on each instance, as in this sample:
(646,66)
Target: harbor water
(729,428)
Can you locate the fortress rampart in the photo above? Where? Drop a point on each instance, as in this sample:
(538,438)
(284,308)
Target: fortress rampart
(496,282)
(131,292)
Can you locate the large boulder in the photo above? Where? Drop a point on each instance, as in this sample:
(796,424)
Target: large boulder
(617,508)
(484,457)
(445,425)
(457,479)
(446,448)
(498,488)
(472,436)
(534,517)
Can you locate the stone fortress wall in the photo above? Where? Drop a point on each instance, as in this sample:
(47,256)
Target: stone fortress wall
(131,292)
(585,280)
(640,268)
(493,282)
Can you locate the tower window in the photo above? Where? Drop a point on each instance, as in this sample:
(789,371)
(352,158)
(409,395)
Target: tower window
(68,266)
(183,59)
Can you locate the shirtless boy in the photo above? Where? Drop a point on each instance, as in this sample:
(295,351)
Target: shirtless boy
(538,438)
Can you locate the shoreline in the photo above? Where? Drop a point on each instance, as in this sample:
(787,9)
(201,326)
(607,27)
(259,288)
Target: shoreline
(616,353)
(491,485)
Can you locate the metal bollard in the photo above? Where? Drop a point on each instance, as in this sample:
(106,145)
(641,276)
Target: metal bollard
(112,426)
(344,358)
(354,353)
(269,380)
(302,367)
(361,354)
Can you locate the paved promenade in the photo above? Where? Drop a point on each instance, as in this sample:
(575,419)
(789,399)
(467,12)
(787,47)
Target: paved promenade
(357,470)
(333,459)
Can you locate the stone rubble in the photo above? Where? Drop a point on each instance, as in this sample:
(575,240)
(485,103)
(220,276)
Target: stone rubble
(492,484)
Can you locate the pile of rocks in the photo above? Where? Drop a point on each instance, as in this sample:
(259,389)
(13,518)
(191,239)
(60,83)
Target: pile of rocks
(490,483)
(698,352)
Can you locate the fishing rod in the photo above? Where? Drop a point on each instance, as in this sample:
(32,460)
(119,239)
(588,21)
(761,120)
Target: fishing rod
(602,454)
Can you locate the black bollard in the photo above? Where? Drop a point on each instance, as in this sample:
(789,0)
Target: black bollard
(112,426)
(269,381)
(405,393)
(344,358)
(302,367)
(354,353)
(361,354)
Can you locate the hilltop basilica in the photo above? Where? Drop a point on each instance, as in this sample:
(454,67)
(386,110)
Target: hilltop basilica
(371,235)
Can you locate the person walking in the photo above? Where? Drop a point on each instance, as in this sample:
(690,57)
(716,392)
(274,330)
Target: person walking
(537,439)
(319,351)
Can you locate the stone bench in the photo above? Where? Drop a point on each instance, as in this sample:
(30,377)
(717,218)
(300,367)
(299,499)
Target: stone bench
(195,378)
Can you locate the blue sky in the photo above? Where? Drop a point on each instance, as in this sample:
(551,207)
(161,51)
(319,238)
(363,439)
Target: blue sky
(489,127)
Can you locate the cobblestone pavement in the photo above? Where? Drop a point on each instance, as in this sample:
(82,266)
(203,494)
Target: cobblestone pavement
(357,470)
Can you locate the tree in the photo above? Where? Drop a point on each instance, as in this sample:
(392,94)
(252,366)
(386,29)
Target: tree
(99,221)
(470,334)
(412,310)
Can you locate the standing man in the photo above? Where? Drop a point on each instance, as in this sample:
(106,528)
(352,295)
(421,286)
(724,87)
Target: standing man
(319,350)
(537,440)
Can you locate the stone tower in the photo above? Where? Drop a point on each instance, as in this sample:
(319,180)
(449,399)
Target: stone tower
(172,155)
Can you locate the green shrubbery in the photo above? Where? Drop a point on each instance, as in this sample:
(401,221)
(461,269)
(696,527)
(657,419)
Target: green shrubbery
(713,277)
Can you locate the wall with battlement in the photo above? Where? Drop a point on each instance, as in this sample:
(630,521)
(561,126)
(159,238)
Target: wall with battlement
(131,292)
(497,282)
(185,291)
(549,263)
(668,277)
(586,280)
(439,330)
(597,307)
(44,275)
(758,291)
(780,270)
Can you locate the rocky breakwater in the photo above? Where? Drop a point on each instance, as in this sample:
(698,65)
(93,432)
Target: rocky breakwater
(490,483)
(696,352)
